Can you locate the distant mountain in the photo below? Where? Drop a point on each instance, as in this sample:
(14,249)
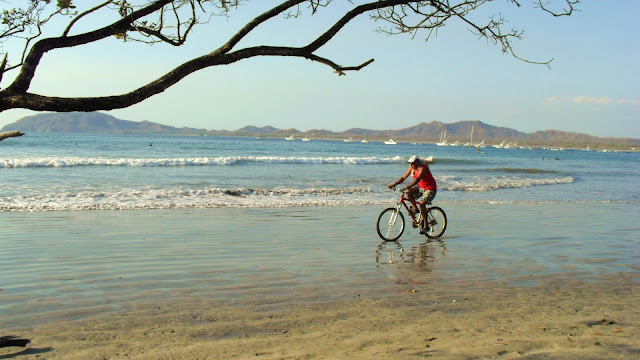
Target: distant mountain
(94,122)
(460,131)
(254,130)
(424,132)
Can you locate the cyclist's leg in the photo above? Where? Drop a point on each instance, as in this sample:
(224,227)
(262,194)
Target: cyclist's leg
(423,209)
(427,197)
(411,195)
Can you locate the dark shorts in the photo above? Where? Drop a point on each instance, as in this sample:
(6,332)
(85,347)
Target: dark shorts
(426,195)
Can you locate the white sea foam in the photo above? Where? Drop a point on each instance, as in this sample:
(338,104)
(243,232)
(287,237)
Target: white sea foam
(187,197)
(501,183)
(183,198)
(194,161)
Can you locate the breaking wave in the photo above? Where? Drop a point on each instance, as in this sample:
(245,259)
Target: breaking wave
(512,171)
(55,162)
(187,197)
(496,184)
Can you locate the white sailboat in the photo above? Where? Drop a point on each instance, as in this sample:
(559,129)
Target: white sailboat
(364,141)
(501,146)
(289,138)
(348,140)
(443,139)
(390,142)
(306,139)
(470,143)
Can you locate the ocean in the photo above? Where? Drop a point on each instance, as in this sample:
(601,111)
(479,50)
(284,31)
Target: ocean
(60,172)
(95,223)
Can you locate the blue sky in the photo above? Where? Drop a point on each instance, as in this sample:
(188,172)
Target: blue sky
(593,85)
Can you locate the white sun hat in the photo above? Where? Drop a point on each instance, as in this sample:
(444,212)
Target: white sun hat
(413,159)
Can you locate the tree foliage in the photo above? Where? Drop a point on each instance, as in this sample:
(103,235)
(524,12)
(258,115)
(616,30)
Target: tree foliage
(172,22)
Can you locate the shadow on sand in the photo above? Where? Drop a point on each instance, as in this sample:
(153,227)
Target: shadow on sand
(28,351)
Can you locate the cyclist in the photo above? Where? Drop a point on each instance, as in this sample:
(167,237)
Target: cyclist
(423,185)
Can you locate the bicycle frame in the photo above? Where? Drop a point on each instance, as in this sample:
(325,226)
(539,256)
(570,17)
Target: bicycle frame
(403,201)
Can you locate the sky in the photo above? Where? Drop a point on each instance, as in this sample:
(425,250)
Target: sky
(593,86)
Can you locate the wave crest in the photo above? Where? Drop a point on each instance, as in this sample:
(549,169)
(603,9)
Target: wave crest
(194,161)
(496,184)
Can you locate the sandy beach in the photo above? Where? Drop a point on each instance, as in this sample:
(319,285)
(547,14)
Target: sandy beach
(319,284)
(561,318)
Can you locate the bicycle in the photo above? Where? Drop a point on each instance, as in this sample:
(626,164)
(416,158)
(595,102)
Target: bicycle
(390,225)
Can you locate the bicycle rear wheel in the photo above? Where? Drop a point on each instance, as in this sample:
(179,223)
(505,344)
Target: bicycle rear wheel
(390,225)
(437,221)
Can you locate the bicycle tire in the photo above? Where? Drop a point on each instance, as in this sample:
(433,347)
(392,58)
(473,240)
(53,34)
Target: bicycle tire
(437,221)
(390,224)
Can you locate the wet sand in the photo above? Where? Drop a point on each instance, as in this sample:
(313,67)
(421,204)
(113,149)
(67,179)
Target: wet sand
(561,318)
(321,286)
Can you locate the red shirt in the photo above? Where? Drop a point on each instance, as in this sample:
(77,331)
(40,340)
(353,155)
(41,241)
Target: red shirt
(427,181)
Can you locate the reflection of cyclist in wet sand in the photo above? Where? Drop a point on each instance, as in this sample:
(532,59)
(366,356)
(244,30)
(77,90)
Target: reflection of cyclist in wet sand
(426,185)
(424,255)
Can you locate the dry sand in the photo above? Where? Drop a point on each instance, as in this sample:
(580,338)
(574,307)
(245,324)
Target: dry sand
(558,318)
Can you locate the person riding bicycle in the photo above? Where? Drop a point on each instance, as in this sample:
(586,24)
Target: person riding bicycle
(422,187)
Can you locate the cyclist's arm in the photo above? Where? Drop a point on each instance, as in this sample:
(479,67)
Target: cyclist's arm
(402,178)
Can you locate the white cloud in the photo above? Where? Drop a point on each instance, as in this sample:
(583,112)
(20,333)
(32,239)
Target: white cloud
(633,102)
(605,100)
(583,100)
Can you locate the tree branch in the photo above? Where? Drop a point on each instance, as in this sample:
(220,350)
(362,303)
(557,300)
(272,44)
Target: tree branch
(5,135)
(337,68)
(254,23)
(47,103)
(2,66)
(565,11)
(401,14)
(66,31)
(329,34)
(23,80)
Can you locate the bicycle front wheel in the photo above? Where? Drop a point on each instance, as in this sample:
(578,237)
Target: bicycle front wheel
(437,221)
(390,224)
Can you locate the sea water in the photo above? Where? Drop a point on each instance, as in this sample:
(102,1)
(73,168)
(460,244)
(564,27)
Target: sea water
(42,172)
(92,223)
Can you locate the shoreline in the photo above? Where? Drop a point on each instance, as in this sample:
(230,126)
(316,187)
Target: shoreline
(318,283)
(560,145)
(560,318)
(595,146)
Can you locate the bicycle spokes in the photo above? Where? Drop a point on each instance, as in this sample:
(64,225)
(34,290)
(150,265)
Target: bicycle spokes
(390,224)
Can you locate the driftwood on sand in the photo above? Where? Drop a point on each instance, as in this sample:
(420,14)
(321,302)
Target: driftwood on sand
(12,340)
(8,134)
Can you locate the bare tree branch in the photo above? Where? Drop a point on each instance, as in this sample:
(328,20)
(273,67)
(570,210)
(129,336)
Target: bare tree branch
(254,23)
(2,66)
(337,68)
(66,31)
(27,71)
(176,19)
(567,11)
(6,135)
